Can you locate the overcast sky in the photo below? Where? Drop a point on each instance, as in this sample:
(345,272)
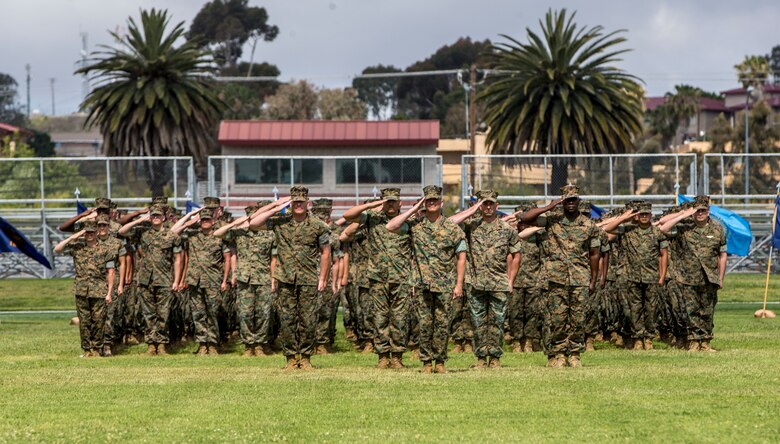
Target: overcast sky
(329,41)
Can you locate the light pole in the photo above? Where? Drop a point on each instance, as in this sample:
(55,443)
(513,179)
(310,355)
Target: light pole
(748,91)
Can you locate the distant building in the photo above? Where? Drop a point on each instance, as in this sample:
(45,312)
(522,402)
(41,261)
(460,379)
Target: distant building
(77,143)
(700,124)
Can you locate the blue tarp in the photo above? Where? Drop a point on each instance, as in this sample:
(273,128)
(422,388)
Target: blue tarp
(12,241)
(738,234)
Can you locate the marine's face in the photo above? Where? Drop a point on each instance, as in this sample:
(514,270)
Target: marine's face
(90,236)
(571,205)
(157,219)
(206,224)
(701,215)
(432,205)
(299,207)
(644,218)
(391,207)
(488,208)
(102,230)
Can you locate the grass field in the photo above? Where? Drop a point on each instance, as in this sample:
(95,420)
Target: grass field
(49,394)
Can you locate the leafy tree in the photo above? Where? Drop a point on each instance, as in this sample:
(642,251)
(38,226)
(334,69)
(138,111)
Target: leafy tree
(10,111)
(562,94)
(378,94)
(153,98)
(340,104)
(225,25)
(753,71)
(245,100)
(41,144)
(293,101)
(774,63)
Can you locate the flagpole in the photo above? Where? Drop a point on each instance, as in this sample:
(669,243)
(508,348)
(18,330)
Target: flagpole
(763,312)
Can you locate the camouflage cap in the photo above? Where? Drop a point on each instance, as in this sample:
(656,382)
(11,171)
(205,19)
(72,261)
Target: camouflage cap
(122,212)
(156,210)
(251,209)
(323,204)
(701,203)
(645,207)
(102,202)
(206,213)
(584,207)
(371,199)
(299,194)
(432,192)
(159,200)
(570,191)
(176,212)
(102,220)
(262,203)
(210,202)
(90,226)
(525,206)
(488,195)
(686,205)
(226,216)
(391,194)
(113,205)
(634,204)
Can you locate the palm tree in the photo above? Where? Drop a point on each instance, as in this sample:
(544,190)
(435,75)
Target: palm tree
(153,98)
(683,104)
(753,71)
(560,93)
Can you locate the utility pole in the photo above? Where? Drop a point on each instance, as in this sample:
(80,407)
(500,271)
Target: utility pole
(27,68)
(473,119)
(84,77)
(53,111)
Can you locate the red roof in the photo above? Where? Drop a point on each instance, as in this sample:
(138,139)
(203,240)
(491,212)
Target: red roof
(705,104)
(741,91)
(328,132)
(8,128)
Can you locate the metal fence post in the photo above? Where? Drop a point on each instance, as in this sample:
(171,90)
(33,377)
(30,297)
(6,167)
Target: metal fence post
(422,170)
(357,184)
(175,185)
(108,178)
(191,188)
(545,178)
(705,173)
(225,182)
(722,181)
(211,185)
(676,169)
(44,225)
(611,183)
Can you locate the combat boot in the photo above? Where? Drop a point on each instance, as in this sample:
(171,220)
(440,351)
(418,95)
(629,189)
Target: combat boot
(396,361)
(384,361)
(574,360)
(161,349)
(517,346)
(267,349)
(107,351)
(349,334)
(305,363)
(213,349)
(440,367)
(458,347)
(637,344)
(616,339)
(151,350)
(551,360)
(648,344)
(416,353)
(481,363)
(599,337)
(369,348)
(681,342)
(202,350)
(560,361)
(321,350)
(259,350)
(529,346)
(467,347)
(589,344)
(131,339)
(427,367)
(495,362)
(248,351)
(705,346)
(693,346)
(292,363)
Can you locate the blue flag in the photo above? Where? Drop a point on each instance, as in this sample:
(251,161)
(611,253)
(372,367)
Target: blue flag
(191,206)
(12,241)
(596,212)
(776,228)
(80,207)
(738,234)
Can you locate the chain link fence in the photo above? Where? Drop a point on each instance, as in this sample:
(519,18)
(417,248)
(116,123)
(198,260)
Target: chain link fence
(348,180)
(608,179)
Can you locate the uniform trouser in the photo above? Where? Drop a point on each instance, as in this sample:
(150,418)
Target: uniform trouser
(433,316)
(298,305)
(592,310)
(133,316)
(564,319)
(156,307)
(675,312)
(325,334)
(609,306)
(366,311)
(206,303)
(351,307)
(524,313)
(113,324)
(92,315)
(700,301)
(176,321)
(487,312)
(254,305)
(461,325)
(226,313)
(641,300)
(390,302)
(413,326)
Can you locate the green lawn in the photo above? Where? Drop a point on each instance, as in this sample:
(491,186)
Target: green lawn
(49,394)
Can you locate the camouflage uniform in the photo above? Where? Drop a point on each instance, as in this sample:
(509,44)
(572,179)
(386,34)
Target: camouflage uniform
(566,248)
(253,274)
(205,272)
(697,274)
(359,256)
(388,274)
(525,311)
(672,307)
(489,245)
(610,306)
(113,323)
(436,248)
(325,333)
(157,249)
(297,274)
(642,248)
(90,287)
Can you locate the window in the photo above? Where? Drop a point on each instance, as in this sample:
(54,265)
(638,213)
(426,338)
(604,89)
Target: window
(380,171)
(277,171)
